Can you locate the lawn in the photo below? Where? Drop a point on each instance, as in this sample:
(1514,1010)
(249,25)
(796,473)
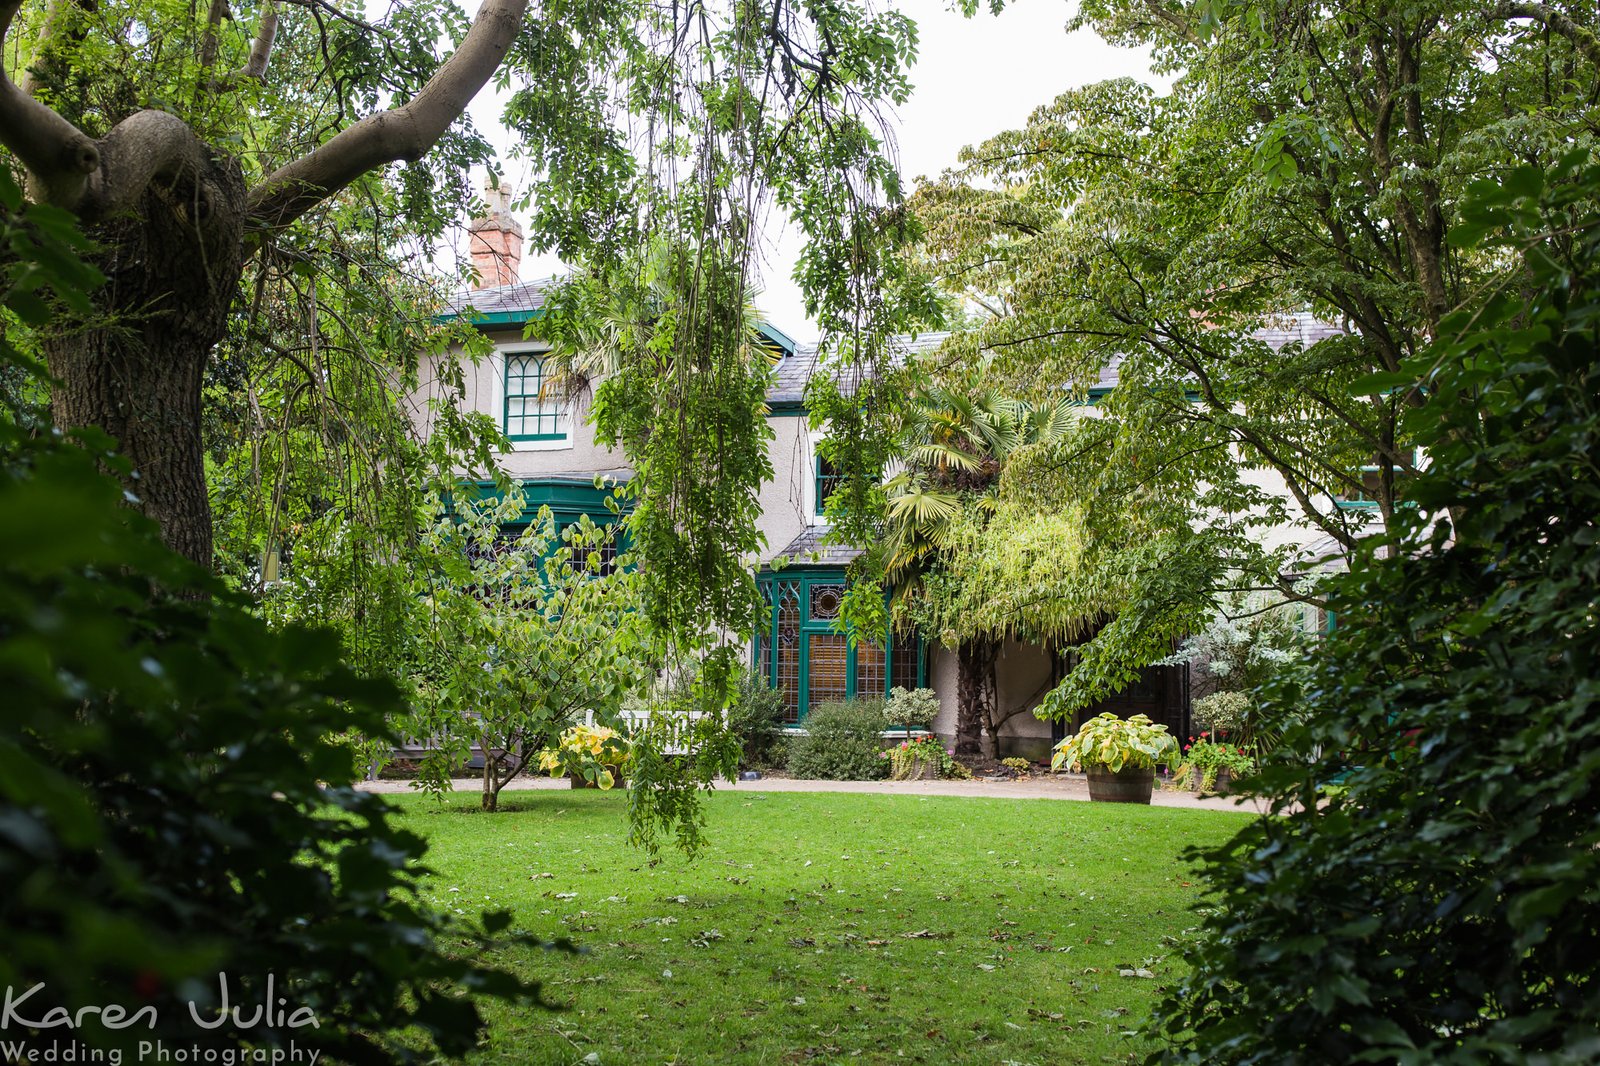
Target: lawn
(830,927)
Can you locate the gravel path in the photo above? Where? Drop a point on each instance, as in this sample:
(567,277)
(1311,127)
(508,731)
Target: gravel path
(1055,787)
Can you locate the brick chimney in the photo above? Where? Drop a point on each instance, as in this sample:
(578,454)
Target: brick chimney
(496,239)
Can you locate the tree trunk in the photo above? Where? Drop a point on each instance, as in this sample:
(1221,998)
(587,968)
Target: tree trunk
(975,693)
(172,267)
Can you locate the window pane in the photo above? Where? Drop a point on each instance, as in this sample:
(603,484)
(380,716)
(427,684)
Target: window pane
(869,669)
(828,661)
(903,664)
(529,413)
(828,480)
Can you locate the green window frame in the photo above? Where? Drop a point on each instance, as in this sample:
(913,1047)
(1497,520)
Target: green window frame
(800,653)
(528,414)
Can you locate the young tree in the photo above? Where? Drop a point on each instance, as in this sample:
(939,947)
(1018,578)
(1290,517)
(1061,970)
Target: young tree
(521,637)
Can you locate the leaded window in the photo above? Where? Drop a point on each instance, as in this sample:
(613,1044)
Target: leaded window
(788,648)
(869,668)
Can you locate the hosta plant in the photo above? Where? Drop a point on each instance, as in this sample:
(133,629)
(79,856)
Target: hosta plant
(597,755)
(1117,744)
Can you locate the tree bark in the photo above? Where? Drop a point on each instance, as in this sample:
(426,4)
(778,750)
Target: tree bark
(975,694)
(172,266)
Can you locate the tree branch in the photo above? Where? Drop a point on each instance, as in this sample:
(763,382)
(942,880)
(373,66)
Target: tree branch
(404,133)
(1582,38)
(59,157)
(255,66)
(212,41)
(144,147)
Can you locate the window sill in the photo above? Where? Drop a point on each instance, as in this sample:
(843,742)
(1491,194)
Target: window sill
(543,444)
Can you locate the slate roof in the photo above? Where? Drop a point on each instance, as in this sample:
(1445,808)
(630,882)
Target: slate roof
(516,298)
(793,371)
(808,549)
(1302,326)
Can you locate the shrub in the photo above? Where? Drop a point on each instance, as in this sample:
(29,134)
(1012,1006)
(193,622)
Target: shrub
(1222,712)
(598,755)
(1115,743)
(756,718)
(842,743)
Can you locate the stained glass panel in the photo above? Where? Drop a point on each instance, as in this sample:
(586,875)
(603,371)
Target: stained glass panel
(788,649)
(826,602)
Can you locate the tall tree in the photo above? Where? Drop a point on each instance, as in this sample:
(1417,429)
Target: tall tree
(1257,253)
(1442,905)
(175,207)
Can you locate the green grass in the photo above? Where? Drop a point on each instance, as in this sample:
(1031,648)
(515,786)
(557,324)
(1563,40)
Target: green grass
(829,927)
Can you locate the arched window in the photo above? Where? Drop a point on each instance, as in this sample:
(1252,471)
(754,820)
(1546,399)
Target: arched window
(530,413)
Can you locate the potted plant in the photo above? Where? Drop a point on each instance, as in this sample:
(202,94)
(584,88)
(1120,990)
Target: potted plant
(589,756)
(922,759)
(1212,763)
(1119,755)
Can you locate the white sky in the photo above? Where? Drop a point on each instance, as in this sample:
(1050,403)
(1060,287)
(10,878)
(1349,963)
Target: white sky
(974,78)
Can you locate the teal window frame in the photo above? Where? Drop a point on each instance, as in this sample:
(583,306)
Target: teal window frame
(569,503)
(555,414)
(803,581)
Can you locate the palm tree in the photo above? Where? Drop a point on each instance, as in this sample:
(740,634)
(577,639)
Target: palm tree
(956,446)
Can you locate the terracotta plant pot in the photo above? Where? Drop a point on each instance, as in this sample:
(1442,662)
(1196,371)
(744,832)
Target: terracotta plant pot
(1125,786)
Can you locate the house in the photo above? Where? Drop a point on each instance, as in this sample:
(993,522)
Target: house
(557,461)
